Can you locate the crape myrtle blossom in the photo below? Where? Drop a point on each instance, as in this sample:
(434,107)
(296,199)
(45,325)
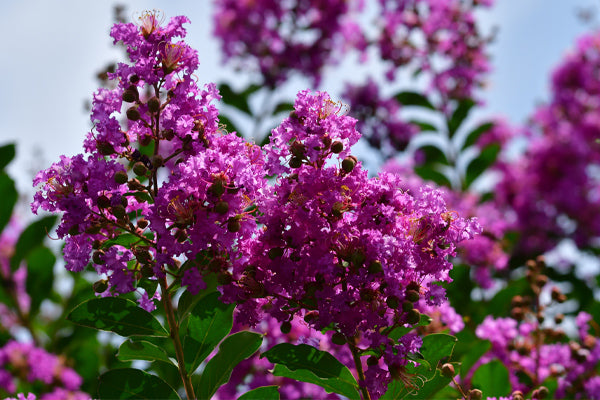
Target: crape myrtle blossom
(339,248)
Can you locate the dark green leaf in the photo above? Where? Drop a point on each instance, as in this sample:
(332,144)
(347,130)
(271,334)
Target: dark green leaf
(8,199)
(433,154)
(500,305)
(308,364)
(32,237)
(492,379)
(414,99)
(283,107)
(400,331)
(7,153)
(482,162)
(476,133)
(476,350)
(430,174)
(126,240)
(129,383)
(229,125)
(141,350)
(262,393)
(209,322)
(458,116)
(117,315)
(237,100)
(436,347)
(424,126)
(40,276)
(232,351)
(188,301)
(432,386)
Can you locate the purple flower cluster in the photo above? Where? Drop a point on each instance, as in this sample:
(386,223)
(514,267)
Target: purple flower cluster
(379,119)
(553,188)
(438,37)
(571,364)
(33,364)
(278,38)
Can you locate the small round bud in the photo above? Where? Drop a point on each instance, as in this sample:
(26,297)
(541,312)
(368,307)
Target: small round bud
(286,327)
(518,313)
(474,394)
(543,392)
(157,161)
(407,306)
(393,302)
(153,104)
(413,286)
(98,257)
(105,148)
(372,361)
(448,370)
(413,317)
(375,267)
(168,134)
(221,207)
(275,252)
(337,209)
(338,338)
(96,244)
(337,147)
(224,278)
(119,211)
(234,225)
(412,296)
(139,168)
(142,223)
(311,316)
(134,79)
(541,280)
(100,286)
(297,149)
(349,163)
(121,177)
(133,114)
(130,94)
(295,162)
(103,202)
(217,188)
(517,395)
(367,294)
(181,235)
(74,230)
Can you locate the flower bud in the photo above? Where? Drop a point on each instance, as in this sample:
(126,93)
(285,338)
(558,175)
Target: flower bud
(221,207)
(295,162)
(448,370)
(224,278)
(413,286)
(130,94)
(233,224)
(407,306)
(168,134)
(393,302)
(98,257)
(474,394)
(372,361)
(286,327)
(413,317)
(337,209)
(337,147)
(375,267)
(153,104)
(133,114)
(542,392)
(338,338)
(412,296)
(349,163)
(157,161)
(139,168)
(103,202)
(134,79)
(121,177)
(105,148)
(367,294)
(74,230)
(142,223)
(119,211)
(181,235)
(517,395)
(100,286)
(275,252)
(311,316)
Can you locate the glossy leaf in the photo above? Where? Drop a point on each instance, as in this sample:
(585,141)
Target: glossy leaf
(129,383)
(482,162)
(476,349)
(232,351)
(7,154)
(414,99)
(40,276)
(437,346)
(430,174)
(237,100)
(308,364)
(283,107)
(208,323)
(118,315)
(31,238)
(459,115)
(142,350)
(492,379)
(125,240)
(188,301)
(476,133)
(432,386)
(263,393)
(433,154)
(8,199)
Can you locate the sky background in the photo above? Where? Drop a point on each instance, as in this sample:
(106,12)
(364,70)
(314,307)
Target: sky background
(52,50)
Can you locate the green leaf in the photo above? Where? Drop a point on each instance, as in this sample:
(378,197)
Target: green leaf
(142,350)
(430,174)
(237,100)
(263,393)
(126,240)
(283,107)
(308,364)
(433,154)
(476,133)
(414,99)
(30,238)
(232,351)
(8,199)
(482,162)
(229,125)
(209,322)
(432,386)
(400,331)
(7,154)
(188,301)
(40,276)
(492,379)
(118,315)
(459,115)
(129,383)
(436,347)
(476,350)
(500,305)
(424,126)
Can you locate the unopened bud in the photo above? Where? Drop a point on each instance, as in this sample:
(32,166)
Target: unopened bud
(134,79)
(372,361)
(74,230)
(275,252)
(375,267)
(224,278)
(349,163)
(139,168)
(105,148)
(286,327)
(98,257)
(412,296)
(221,207)
(168,134)
(393,302)
(367,294)
(517,395)
(234,225)
(142,223)
(295,162)
(133,114)
(541,280)
(157,161)
(121,177)
(119,211)
(337,209)
(413,317)
(311,316)
(543,392)
(407,306)
(337,147)
(100,286)
(130,94)
(338,338)
(413,286)
(448,370)
(153,104)
(181,235)
(475,394)
(103,202)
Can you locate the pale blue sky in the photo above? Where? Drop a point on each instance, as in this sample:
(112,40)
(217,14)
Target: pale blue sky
(51,52)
